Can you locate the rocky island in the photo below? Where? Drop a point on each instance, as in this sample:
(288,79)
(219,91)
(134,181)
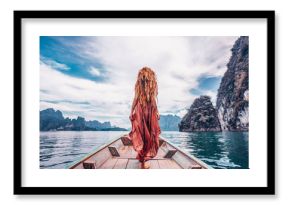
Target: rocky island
(201,116)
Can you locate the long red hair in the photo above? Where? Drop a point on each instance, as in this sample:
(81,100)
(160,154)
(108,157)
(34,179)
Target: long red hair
(146,88)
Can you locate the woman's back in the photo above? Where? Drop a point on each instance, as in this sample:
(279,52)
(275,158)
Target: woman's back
(144,116)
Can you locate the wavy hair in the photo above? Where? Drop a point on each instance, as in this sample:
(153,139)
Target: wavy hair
(146,89)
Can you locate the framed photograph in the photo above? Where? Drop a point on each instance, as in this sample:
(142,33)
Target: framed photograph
(144,102)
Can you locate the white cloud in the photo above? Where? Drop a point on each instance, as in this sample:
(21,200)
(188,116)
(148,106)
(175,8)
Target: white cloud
(177,61)
(94,71)
(55,65)
(104,103)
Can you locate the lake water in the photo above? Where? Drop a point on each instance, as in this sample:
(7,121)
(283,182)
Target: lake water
(224,150)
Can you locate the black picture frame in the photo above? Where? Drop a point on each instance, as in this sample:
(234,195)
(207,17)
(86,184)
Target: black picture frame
(268,190)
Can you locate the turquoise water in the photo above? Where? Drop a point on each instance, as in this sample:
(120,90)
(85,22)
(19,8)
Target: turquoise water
(224,150)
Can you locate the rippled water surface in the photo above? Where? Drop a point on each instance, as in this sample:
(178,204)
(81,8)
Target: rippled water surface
(219,149)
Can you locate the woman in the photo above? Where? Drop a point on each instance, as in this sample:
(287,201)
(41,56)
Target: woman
(144,117)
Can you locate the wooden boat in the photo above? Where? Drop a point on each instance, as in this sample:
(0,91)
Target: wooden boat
(119,154)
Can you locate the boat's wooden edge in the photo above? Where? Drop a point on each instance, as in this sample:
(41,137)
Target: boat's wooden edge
(198,161)
(81,159)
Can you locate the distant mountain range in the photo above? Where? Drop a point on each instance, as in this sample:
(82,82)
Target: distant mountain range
(169,122)
(53,120)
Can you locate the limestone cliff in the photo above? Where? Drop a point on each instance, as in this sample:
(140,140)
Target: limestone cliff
(233,94)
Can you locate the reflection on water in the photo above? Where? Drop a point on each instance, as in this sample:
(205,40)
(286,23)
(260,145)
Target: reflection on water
(218,149)
(58,149)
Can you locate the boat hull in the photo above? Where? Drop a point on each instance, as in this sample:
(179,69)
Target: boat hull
(120,154)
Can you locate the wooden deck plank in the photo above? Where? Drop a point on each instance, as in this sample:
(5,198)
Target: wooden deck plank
(117,144)
(132,153)
(109,164)
(160,154)
(184,161)
(164,150)
(121,164)
(102,158)
(133,164)
(154,164)
(168,164)
(124,150)
(162,164)
(127,152)
(173,164)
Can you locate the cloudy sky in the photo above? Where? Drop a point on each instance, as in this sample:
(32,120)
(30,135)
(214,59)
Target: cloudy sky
(94,77)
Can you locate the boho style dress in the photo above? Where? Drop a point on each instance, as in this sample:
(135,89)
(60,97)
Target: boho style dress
(145,130)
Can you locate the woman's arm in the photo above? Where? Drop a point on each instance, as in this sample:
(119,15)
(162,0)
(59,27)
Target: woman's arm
(157,112)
